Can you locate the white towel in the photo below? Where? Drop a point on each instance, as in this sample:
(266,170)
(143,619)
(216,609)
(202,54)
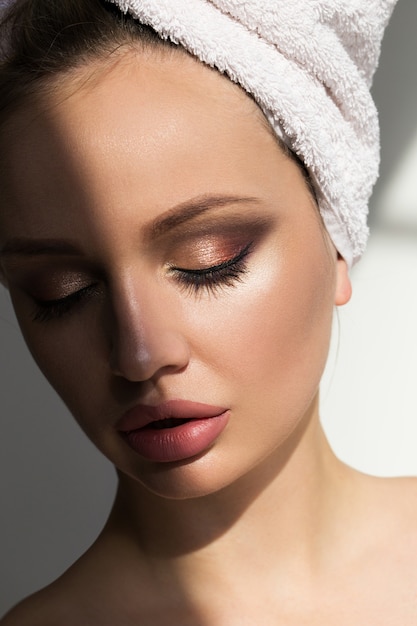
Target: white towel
(309,65)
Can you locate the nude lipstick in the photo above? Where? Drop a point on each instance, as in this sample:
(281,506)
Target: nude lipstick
(173,431)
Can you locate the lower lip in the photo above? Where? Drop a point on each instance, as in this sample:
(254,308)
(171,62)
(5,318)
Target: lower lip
(177,444)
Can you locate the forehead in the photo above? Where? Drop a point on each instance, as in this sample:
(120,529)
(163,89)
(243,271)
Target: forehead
(142,95)
(145,132)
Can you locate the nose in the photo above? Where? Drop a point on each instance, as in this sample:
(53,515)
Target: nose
(146,338)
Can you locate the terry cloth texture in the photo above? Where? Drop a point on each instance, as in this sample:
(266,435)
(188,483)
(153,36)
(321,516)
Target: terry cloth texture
(309,64)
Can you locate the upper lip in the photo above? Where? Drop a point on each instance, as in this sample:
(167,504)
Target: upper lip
(141,415)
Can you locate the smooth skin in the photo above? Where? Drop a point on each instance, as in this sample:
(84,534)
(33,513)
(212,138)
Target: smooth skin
(143,170)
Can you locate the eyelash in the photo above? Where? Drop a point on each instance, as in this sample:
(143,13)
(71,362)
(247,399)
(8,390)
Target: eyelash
(225,274)
(54,309)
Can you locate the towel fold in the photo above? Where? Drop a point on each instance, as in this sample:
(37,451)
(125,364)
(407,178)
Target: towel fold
(309,65)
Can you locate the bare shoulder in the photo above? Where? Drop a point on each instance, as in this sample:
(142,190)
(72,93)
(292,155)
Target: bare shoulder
(90,593)
(58,604)
(390,506)
(397,496)
(401,499)
(40,609)
(391,500)
(63,603)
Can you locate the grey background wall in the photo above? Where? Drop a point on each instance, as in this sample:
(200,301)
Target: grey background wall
(374,427)
(56,489)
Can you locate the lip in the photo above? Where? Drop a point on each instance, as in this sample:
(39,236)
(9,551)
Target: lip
(177,442)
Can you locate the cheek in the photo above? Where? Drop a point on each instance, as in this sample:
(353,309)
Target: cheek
(71,357)
(265,338)
(273,330)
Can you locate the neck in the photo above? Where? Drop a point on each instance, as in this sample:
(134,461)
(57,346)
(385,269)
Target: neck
(287,504)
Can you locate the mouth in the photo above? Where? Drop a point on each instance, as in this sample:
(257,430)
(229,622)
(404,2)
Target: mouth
(169,414)
(173,431)
(169,422)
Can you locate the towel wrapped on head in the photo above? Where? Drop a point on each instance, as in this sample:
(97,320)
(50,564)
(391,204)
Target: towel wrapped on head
(309,65)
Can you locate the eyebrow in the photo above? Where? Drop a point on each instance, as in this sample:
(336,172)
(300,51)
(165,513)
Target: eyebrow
(38,247)
(177,216)
(190,210)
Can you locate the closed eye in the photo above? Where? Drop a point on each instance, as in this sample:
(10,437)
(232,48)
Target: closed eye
(225,274)
(56,308)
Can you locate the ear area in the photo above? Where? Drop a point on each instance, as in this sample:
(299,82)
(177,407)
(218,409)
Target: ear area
(343,289)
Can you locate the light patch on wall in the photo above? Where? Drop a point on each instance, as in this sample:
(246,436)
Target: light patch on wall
(397,204)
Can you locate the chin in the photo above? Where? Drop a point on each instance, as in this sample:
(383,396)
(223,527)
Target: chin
(184,480)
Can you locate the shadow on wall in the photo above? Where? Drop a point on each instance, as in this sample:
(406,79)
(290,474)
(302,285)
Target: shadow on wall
(395,93)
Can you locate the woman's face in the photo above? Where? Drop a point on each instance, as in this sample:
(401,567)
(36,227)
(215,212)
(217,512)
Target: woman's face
(159,247)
